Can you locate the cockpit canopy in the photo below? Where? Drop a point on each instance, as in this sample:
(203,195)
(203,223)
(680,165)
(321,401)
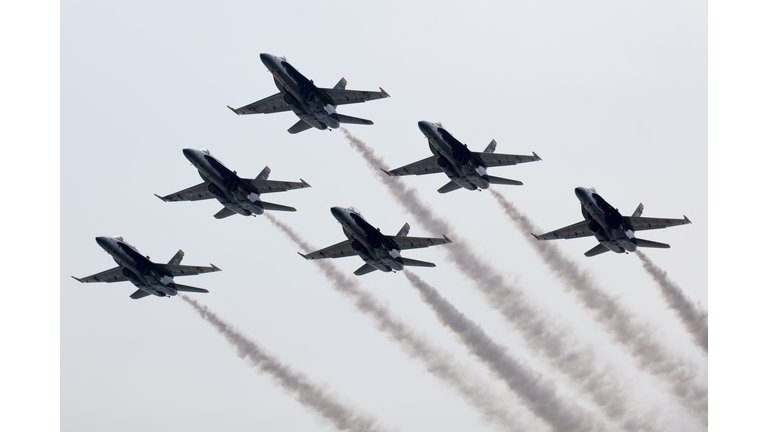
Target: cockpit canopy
(118,237)
(206,151)
(356,211)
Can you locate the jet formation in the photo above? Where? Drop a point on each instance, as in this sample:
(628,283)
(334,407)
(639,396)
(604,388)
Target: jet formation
(614,232)
(379,251)
(238,195)
(315,107)
(465,168)
(150,278)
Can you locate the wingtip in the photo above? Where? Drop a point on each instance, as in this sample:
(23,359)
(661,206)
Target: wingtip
(215,268)
(305,183)
(233,110)
(537,237)
(163,199)
(384,92)
(447,239)
(536,157)
(685,218)
(386,172)
(303,256)
(77,279)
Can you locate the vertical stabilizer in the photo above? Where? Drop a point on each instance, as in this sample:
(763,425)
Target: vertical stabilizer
(177,258)
(264,174)
(491,147)
(638,211)
(341,85)
(404,230)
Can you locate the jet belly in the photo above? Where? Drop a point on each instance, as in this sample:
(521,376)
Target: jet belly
(378,256)
(466,175)
(617,240)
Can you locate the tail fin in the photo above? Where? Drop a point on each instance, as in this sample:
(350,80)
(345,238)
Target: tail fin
(264,174)
(491,147)
(300,126)
(416,263)
(365,269)
(177,258)
(275,207)
(404,230)
(650,244)
(187,288)
(225,212)
(639,211)
(597,250)
(352,120)
(449,187)
(341,85)
(499,180)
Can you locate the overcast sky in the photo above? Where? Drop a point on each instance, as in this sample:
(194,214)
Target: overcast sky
(609,95)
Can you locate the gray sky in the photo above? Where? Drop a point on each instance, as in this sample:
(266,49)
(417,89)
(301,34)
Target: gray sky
(609,95)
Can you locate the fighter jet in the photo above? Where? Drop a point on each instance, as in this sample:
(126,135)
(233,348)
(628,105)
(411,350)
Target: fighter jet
(465,168)
(614,231)
(379,251)
(238,195)
(316,107)
(149,278)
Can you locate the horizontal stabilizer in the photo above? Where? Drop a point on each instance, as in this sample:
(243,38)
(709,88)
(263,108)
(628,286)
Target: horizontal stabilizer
(416,263)
(352,120)
(225,212)
(449,187)
(650,244)
(275,207)
(365,269)
(499,180)
(187,288)
(597,250)
(139,294)
(300,126)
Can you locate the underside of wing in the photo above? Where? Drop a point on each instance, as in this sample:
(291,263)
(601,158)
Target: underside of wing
(580,229)
(194,193)
(267,186)
(186,270)
(645,223)
(271,104)
(404,243)
(424,166)
(495,159)
(343,96)
(111,275)
(339,250)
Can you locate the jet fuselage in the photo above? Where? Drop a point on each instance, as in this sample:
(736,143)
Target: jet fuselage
(454,158)
(368,241)
(304,98)
(137,268)
(228,188)
(605,222)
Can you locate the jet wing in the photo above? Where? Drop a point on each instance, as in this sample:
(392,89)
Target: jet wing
(495,159)
(339,250)
(417,242)
(343,96)
(194,193)
(424,166)
(645,223)
(186,270)
(111,275)
(580,229)
(266,186)
(272,104)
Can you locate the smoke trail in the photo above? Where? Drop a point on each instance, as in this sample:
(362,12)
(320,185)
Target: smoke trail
(550,339)
(438,362)
(694,317)
(623,325)
(309,394)
(538,394)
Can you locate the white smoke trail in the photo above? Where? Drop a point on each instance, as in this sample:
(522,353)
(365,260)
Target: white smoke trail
(624,326)
(694,317)
(438,362)
(538,394)
(559,345)
(309,394)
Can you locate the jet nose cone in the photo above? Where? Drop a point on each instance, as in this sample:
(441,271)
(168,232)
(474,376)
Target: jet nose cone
(267,59)
(192,154)
(102,241)
(581,193)
(425,126)
(337,212)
